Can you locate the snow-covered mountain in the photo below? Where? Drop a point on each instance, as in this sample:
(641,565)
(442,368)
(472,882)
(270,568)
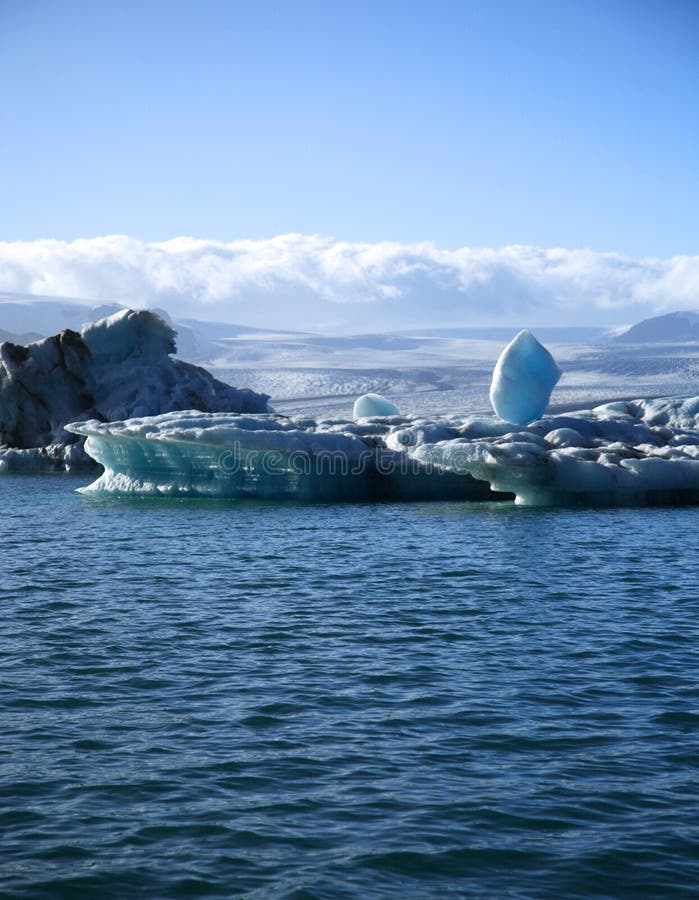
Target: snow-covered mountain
(25,337)
(44,316)
(27,317)
(676,326)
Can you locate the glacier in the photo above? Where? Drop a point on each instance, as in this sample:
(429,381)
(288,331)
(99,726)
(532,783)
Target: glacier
(623,453)
(523,379)
(117,367)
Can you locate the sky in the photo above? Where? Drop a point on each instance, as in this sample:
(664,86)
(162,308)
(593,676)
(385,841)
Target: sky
(437,128)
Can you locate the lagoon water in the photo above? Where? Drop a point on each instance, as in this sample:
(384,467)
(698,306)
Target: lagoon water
(224,699)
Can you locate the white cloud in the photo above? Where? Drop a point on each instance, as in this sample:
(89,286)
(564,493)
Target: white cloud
(310,281)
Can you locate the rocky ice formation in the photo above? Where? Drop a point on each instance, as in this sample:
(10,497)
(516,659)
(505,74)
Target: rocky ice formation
(624,453)
(115,368)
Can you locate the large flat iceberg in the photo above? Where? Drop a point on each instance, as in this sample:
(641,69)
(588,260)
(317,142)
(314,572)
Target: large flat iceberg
(268,457)
(623,453)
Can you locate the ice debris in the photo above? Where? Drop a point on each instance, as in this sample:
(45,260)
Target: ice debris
(644,452)
(523,378)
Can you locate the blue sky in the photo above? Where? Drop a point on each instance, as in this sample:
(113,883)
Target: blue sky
(555,124)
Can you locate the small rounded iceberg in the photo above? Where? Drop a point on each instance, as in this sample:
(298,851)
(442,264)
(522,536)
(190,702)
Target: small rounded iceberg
(373,405)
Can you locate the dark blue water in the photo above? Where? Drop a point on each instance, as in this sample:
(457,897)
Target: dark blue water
(202,699)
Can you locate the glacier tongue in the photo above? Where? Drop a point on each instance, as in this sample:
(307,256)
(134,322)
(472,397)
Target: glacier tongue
(523,378)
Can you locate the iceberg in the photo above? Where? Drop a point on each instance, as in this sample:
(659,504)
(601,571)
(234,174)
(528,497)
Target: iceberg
(269,457)
(369,405)
(118,367)
(523,379)
(643,452)
(162,427)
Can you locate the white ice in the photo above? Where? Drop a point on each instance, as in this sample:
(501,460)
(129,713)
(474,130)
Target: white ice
(121,374)
(369,405)
(623,453)
(523,378)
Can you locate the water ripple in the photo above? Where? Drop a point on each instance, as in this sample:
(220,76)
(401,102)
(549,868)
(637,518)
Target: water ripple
(227,699)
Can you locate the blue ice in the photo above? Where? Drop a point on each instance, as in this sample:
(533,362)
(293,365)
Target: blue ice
(523,379)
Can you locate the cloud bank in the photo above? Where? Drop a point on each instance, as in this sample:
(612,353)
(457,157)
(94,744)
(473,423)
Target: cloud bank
(311,282)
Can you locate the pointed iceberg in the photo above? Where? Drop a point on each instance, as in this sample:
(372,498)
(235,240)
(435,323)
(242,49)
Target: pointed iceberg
(523,378)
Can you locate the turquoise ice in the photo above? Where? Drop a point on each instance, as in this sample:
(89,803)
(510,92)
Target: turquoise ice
(523,378)
(374,405)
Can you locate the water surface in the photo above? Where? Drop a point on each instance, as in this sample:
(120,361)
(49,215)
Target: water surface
(235,699)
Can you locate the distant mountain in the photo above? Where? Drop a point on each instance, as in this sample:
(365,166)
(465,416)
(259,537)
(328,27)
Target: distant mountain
(29,317)
(218,331)
(23,337)
(676,326)
(27,314)
(574,334)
